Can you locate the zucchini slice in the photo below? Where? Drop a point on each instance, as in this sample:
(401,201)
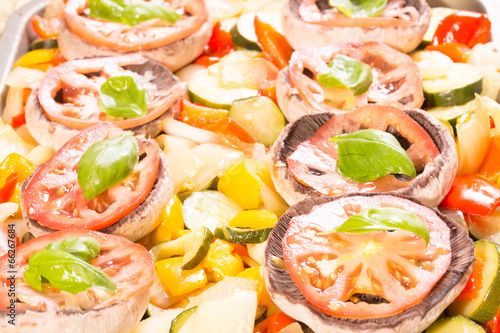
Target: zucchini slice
(243,32)
(205,89)
(457,324)
(193,246)
(242,236)
(458,86)
(452,113)
(181,319)
(486,304)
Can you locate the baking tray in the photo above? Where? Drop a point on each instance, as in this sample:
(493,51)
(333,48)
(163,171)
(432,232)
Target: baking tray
(18,35)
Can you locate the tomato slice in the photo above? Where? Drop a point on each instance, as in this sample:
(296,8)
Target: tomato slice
(143,36)
(396,79)
(69,93)
(55,199)
(339,273)
(127,264)
(314,161)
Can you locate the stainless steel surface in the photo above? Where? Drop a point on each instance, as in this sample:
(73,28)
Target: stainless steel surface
(18,34)
(15,41)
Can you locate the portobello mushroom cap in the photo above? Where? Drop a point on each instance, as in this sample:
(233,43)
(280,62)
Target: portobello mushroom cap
(416,318)
(173,56)
(404,38)
(429,187)
(120,316)
(396,79)
(54,134)
(140,222)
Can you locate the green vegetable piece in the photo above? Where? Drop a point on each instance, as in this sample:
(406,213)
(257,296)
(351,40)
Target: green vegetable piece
(359,8)
(385,218)
(111,10)
(106,163)
(65,272)
(123,96)
(137,13)
(368,154)
(348,72)
(84,248)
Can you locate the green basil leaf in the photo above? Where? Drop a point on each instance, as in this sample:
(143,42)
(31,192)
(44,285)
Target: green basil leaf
(84,248)
(368,154)
(137,13)
(359,8)
(65,272)
(123,96)
(106,163)
(346,71)
(385,218)
(111,10)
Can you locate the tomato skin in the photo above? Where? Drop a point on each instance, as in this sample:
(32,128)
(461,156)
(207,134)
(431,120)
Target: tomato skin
(472,194)
(54,198)
(466,27)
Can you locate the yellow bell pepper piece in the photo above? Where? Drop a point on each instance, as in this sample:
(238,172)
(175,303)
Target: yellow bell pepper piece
(254,219)
(170,225)
(255,273)
(37,57)
(242,182)
(180,281)
(24,168)
(220,262)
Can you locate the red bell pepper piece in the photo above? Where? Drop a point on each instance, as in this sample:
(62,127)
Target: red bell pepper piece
(274,46)
(475,282)
(274,323)
(466,27)
(473,194)
(493,325)
(7,191)
(458,52)
(219,45)
(268,89)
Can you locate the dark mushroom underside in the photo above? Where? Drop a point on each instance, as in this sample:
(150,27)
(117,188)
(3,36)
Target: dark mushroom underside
(427,187)
(414,319)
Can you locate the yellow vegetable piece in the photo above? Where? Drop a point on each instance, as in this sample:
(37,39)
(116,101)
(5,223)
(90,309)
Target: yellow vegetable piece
(254,219)
(37,57)
(171,225)
(220,262)
(180,281)
(15,163)
(255,273)
(242,182)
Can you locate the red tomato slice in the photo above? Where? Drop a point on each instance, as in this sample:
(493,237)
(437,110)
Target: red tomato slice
(314,161)
(79,106)
(396,79)
(333,269)
(143,36)
(127,264)
(55,199)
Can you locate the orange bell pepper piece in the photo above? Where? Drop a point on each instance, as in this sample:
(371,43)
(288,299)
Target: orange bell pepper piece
(274,46)
(456,51)
(475,282)
(45,28)
(200,116)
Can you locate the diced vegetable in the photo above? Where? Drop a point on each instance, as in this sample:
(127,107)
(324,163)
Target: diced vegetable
(178,280)
(221,262)
(457,324)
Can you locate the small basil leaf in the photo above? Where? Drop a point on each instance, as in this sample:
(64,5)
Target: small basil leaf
(366,155)
(65,272)
(84,248)
(344,70)
(385,218)
(106,163)
(359,8)
(111,10)
(123,96)
(137,13)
